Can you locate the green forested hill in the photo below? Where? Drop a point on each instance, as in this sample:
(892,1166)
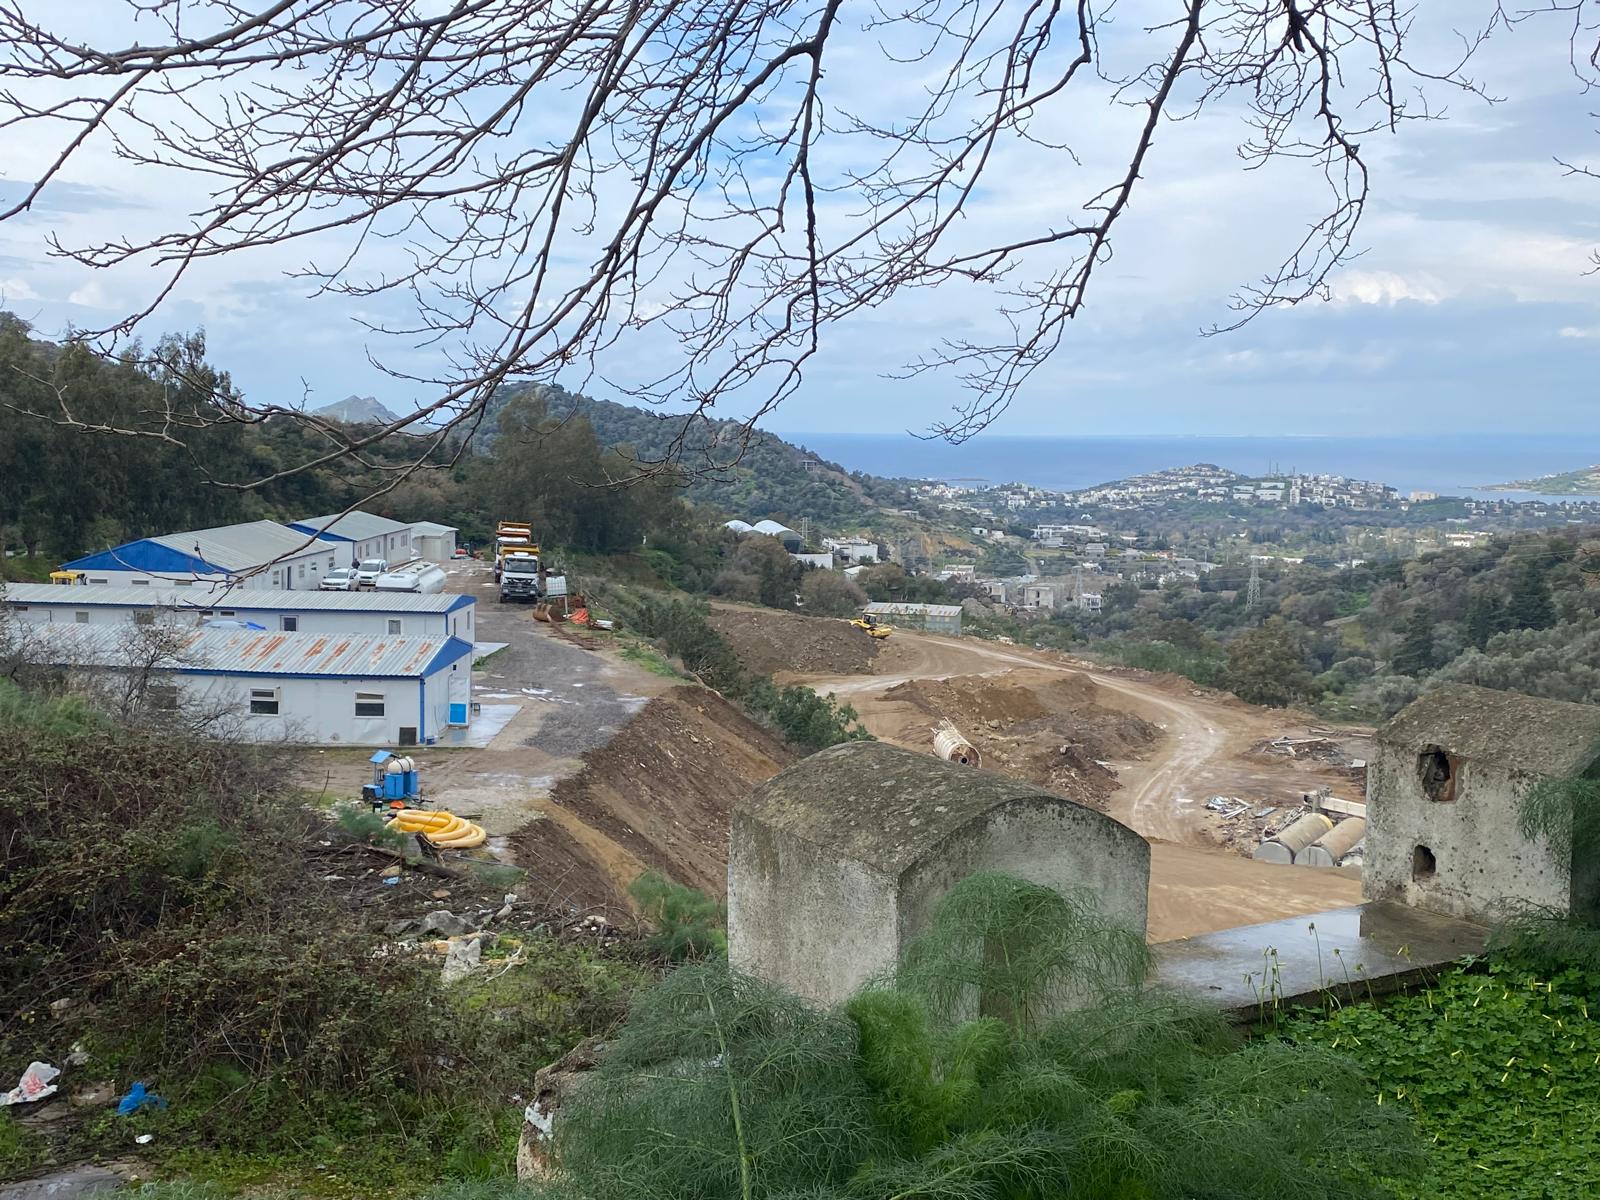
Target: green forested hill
(767,479)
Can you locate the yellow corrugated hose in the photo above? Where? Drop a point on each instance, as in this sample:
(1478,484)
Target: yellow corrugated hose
(441,828)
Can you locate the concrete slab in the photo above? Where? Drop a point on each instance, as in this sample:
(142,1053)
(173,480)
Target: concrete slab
(63,1185)
(491,719)
(1365,949)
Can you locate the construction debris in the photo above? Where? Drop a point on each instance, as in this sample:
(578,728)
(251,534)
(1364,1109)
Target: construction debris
(951,745)
(1227,807)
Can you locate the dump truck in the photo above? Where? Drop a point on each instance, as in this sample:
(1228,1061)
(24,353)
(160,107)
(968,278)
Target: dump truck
(512,537)
(519,577)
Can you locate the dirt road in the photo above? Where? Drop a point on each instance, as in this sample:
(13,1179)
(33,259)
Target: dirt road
(1196,885)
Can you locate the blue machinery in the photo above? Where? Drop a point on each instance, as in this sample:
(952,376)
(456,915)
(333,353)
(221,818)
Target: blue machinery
(394,778)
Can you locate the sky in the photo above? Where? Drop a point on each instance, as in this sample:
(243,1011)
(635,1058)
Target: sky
(1469,310)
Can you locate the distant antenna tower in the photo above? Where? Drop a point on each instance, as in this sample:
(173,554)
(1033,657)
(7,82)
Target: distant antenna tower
(805,532)
(1252,595)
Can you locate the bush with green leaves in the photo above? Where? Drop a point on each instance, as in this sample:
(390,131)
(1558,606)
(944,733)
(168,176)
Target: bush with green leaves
(1497,1067)
(1018,1054)
(687,923)
(800,715)
(164,888)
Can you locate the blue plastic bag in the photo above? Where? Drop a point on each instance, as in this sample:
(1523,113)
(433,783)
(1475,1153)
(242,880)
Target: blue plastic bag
(138,1098)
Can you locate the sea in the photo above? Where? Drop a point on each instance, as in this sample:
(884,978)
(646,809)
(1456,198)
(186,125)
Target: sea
(1458,464)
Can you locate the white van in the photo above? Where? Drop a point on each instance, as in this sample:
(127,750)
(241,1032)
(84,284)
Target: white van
(368,570)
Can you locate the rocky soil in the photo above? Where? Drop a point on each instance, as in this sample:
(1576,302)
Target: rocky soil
(774,642)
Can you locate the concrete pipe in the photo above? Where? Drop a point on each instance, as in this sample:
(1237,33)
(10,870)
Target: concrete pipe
(949,745)
(1330,849)
(1286,844)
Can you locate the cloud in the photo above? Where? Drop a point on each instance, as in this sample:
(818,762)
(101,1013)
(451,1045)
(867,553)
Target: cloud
(13,290)
(90,295)
(1386,288)
(1580,331)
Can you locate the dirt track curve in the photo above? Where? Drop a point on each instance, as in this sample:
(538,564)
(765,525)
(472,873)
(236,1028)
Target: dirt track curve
(1195,885)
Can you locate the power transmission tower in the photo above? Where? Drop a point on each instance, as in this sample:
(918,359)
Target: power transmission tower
(805,532)
(1252,595)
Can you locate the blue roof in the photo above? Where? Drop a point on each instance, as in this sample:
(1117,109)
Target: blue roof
(324,535)
(145,555)
(453,650)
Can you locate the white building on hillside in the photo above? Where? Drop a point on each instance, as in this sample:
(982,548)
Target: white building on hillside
(260,555)
(309,688)
(434,542)
(440,614)
(362,535)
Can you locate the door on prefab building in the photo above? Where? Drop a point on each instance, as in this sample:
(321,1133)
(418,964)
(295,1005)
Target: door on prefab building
(460,695)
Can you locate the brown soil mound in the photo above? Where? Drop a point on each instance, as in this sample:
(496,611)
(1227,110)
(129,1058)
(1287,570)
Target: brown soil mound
(774,642)
(1051,729)
(657,797)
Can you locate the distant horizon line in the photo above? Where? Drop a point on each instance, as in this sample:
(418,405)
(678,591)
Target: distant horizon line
(1160,437)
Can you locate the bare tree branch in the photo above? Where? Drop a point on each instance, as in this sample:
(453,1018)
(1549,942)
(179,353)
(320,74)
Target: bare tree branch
(543,183)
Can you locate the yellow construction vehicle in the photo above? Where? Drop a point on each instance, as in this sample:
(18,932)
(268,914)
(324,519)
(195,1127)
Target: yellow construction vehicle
(873,627)
(68,578)
(512,537)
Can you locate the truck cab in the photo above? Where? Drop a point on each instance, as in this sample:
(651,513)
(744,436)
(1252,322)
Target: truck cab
(519,577)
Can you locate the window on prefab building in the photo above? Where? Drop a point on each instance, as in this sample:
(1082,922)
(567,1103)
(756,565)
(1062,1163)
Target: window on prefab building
(289,624)
(143,617)
(162,697)
(302,570)
(140,582)
(277,579)
(369,704)
(264,702)
(394,626)
(82,618)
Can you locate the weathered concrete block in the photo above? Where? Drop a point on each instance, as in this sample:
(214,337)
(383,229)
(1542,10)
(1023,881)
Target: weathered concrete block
(1443,790)
(838,861)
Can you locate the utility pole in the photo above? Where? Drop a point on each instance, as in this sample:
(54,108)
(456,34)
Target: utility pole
(1252,595)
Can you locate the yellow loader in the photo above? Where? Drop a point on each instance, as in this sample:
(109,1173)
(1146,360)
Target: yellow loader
(873,627)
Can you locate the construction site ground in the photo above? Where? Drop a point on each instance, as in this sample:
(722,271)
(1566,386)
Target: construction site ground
(1156,747)
(601,769)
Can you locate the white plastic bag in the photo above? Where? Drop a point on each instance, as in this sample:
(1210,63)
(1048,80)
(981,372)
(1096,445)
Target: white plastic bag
(35,1085)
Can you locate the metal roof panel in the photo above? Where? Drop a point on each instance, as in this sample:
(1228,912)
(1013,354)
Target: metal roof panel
(244,651)
(201,598)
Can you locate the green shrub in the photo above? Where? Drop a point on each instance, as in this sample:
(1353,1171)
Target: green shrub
(165,886)
(802,717)
(21,1149)
(688,924)
(1497,1068)
(955,1079)
(1202,667)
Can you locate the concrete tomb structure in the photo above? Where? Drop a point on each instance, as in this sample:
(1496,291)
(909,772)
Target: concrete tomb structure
(838,862)
(1442,811)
